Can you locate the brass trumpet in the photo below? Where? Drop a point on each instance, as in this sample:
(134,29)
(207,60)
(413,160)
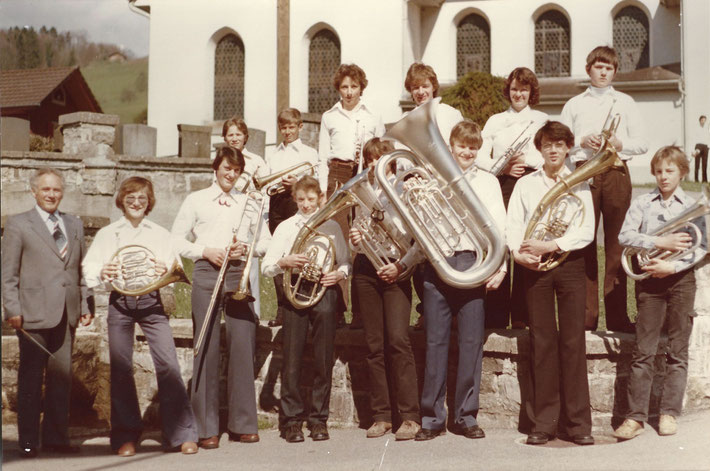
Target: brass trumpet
(682,222)
(558,200)
(272,185)
(516,146)
(137,275)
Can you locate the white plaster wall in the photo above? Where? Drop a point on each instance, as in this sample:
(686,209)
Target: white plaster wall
(181,78)
(696,18)
(372,41)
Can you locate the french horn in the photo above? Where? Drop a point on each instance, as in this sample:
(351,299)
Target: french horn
(437,205)
(137,275)
(682,222)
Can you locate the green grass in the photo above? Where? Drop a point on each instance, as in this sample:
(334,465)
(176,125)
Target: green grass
(686,185)
(120,89)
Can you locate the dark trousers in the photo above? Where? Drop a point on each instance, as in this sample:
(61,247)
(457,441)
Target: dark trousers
(176,417)
(665,301)
(501,303)
(560,392)
(385,309)
(441,303)
(281,207)
(30,376)
(241,344)
(611,194)
(321,318)
(701,161)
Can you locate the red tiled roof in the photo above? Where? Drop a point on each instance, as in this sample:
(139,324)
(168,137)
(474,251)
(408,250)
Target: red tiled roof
(28,87)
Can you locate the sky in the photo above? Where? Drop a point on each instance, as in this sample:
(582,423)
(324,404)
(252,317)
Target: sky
(103,21)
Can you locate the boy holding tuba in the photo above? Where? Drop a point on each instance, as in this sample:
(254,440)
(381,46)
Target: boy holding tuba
(667,296)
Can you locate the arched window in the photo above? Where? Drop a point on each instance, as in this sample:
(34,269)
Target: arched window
(552,45)
(473,45)
(229,78)
(631,39)
(323,61)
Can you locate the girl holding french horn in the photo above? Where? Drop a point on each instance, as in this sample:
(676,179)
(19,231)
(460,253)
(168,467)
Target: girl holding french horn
(130,257)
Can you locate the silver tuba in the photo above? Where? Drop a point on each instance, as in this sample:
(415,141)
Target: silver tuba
(437,204)
(682,222)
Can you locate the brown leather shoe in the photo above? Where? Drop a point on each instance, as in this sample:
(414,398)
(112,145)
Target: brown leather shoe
(407,431)
(378,429)
(127,449)
(210,443)
(189,448)
(248,438)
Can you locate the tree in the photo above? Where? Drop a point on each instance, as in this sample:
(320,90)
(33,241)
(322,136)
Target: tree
(478,95)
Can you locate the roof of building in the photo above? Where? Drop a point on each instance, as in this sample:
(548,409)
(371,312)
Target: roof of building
(29,87)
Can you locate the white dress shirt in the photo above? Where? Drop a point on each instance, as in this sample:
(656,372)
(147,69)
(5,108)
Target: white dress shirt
(585,114)
(44,215)
(649,212)
(528,192)
(285,156)
(120,234)
(207,218)
(340,132)
(503,128)
(285,235)
(702,134)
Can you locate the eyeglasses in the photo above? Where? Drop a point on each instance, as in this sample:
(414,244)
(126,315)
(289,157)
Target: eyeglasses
(133,199)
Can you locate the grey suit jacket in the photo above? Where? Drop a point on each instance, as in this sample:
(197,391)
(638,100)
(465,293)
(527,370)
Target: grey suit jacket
(36,283)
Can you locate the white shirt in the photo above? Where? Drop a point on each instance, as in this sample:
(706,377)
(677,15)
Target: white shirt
(342,130)
(285,156)
(120,234)
(585,114)
(253,166)
(44,215)
(702,134)
(503,128)
(528,192)
(285,235)
(206,219)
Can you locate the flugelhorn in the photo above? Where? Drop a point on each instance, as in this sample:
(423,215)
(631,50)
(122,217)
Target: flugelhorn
(438,206)
(516,146)
(137,275)
(243,292)
(682,222)
(561,206)
(272,184)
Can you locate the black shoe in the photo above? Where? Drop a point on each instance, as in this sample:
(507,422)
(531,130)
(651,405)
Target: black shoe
(293,433)
(279,321)
(28,451)
(583,440)
(473,432)
(61,449)
(427,434)
(538,438)
(319,432)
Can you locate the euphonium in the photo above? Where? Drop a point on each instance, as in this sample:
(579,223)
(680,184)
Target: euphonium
(682,222)
(273,183)
(243,292)
(137,274)
(438,206)
(557,201)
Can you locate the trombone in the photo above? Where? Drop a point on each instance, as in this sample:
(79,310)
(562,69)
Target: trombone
(243,292)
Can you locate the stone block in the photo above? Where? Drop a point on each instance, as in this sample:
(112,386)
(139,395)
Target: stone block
(15,133)
(194,141)
(256,142)
(136,139)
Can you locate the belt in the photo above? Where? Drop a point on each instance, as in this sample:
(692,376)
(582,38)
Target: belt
(342,163)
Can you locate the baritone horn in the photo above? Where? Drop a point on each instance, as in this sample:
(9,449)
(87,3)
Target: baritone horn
(137,275)
(437,204)
(272,184)
(681,223)
(560,207)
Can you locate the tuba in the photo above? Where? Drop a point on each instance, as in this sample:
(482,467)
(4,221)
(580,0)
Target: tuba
(437,204)
(272,185)
(682,222)
(137,272)
(562,206)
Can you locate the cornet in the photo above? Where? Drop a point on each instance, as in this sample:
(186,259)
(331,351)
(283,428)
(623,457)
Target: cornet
(682,222)
(272,184)
(438,206)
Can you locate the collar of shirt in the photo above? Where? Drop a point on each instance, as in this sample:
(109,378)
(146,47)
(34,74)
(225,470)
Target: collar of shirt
(600,93)
(524,112)
(301,218)
(123,222)
(216,192)
(549,182)
(44,215)
(295,146)
(678,195)
(360,107)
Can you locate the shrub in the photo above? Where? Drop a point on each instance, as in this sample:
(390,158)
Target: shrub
(478,95)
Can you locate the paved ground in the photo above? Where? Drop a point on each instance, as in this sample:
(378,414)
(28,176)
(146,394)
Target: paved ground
(349,449)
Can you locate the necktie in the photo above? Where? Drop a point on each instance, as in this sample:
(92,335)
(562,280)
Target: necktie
(224,200)
(59,237)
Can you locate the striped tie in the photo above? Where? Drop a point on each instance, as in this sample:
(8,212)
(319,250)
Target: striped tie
(58,235)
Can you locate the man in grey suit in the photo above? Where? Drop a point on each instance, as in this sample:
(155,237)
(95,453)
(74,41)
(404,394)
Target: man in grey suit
(44,299)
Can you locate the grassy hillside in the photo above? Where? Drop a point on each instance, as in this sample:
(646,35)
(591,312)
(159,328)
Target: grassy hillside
(121,89)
